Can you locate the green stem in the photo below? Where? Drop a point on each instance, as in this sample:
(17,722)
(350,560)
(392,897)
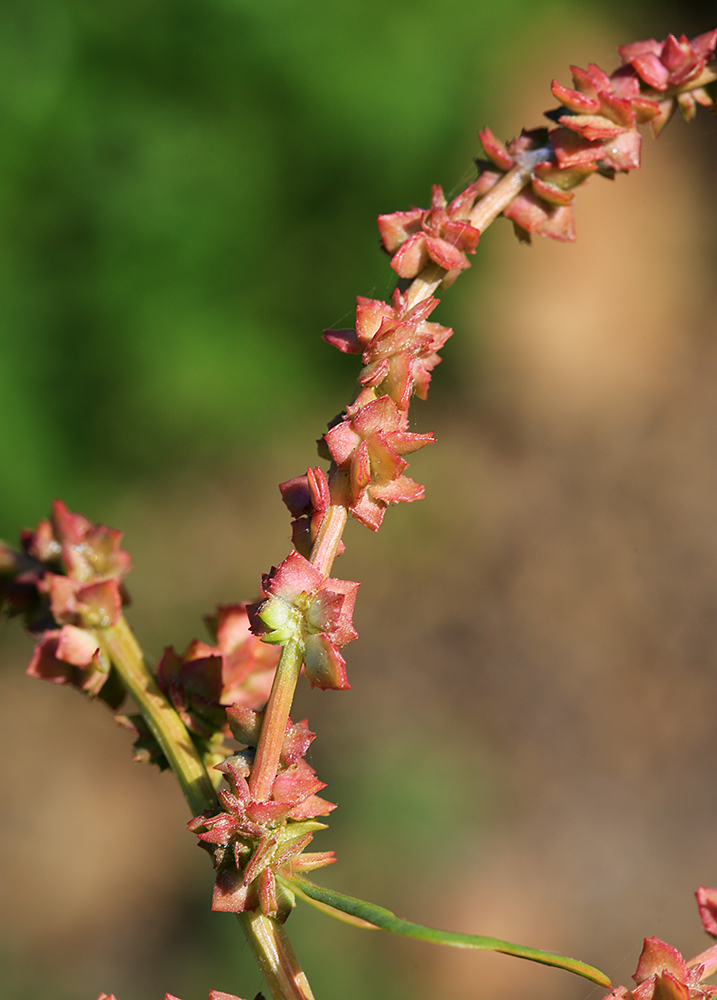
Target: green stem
(119,644)
(276,715)
(369,914)
(275,956)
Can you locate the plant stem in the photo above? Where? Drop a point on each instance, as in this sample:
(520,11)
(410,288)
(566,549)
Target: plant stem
(484,212)
(328,538)
(275,956)
(424,284)
(120,645)
(267,937)
(276,715)
(499,197)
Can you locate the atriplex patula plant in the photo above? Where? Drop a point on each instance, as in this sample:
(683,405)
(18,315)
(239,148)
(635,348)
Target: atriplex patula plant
(255,808)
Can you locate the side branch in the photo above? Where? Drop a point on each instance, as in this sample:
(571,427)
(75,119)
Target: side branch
(119,644)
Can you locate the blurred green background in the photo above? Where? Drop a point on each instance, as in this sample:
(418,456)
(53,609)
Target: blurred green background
(188,193)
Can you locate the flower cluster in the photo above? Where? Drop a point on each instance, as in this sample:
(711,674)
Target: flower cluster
(442,234)
(597,128)
(399,349)
(253,842)
(67,582)
(304,607)
(676,65)
(663,974)
(238,669)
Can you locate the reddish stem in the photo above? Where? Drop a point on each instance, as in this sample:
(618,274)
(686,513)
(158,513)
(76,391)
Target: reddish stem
(328,538)
(276,716)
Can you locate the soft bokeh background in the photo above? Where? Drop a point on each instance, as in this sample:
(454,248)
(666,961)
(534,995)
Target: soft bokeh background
(188,193)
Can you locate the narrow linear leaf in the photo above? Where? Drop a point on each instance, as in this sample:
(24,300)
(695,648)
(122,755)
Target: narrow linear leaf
(370,914)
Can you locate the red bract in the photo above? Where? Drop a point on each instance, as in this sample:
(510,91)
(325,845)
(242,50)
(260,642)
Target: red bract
(366,447)
(238,670)
(70,655)
(663,974)
(254,841)
(707,904)
(398,347)
(442,234)
(307,608)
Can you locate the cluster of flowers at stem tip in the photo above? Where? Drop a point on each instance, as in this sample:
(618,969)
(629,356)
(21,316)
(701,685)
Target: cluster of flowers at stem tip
(663,974)
(67,581)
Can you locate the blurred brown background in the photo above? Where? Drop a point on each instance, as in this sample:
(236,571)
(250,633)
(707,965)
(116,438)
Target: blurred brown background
(529,745)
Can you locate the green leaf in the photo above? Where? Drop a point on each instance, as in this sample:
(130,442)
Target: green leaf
(376,916)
